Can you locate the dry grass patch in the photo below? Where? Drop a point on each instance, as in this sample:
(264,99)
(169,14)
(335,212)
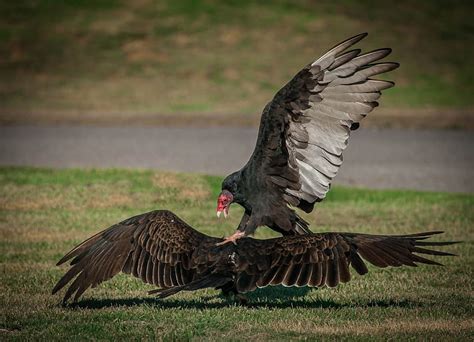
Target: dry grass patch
(166,180)
(30,197)
(182,187)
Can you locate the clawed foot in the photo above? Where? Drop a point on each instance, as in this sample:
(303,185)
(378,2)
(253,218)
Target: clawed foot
(243,300)
(233,238)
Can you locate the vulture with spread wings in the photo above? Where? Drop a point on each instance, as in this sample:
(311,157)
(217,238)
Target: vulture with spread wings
(161,249)
(303,132)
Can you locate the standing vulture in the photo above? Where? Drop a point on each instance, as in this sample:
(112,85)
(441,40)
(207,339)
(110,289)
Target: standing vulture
(161,249)
(303,132)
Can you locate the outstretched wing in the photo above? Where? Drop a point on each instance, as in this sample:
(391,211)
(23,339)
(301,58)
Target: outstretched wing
(305,128)
(157,247)
(323,259)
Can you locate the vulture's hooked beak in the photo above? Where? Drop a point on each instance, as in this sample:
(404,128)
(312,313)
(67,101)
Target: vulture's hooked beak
(223,203)
(219,212)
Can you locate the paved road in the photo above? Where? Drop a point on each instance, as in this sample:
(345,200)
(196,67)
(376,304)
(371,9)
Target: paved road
(384,158)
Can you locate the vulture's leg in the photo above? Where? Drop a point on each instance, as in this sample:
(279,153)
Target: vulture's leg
(243,300)
(229,290)
(244,221)
(240,232)
(232,238)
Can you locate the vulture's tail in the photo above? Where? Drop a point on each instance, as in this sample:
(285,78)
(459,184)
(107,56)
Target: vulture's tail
(201,283)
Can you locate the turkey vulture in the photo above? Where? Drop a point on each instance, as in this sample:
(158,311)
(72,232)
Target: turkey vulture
(303,132)
(161,249)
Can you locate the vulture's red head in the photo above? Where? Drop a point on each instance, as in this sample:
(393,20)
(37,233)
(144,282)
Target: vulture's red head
(223,202)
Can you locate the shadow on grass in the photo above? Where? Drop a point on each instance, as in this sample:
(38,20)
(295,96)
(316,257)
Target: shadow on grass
(278,297)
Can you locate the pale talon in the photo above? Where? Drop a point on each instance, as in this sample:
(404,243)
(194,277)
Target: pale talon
(233,238)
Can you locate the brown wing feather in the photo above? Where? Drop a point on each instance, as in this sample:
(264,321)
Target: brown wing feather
(163,250)
(305,128)
(324,259)
(157,247)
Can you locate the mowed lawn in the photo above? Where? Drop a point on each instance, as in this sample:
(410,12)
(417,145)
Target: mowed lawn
(221,61)
(44,213)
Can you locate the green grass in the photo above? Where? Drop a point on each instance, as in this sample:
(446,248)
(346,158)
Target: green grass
(61,60)
(44,213)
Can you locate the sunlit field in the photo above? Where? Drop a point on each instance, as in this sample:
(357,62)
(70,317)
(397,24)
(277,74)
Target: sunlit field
(44,213)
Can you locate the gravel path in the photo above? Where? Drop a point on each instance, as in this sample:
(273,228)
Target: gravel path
(382,158)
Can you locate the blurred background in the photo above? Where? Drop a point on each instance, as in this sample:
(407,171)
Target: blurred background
(219,62)
(180,85)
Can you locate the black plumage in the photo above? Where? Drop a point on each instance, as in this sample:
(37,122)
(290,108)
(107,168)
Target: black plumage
(303,132)
(161,249)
